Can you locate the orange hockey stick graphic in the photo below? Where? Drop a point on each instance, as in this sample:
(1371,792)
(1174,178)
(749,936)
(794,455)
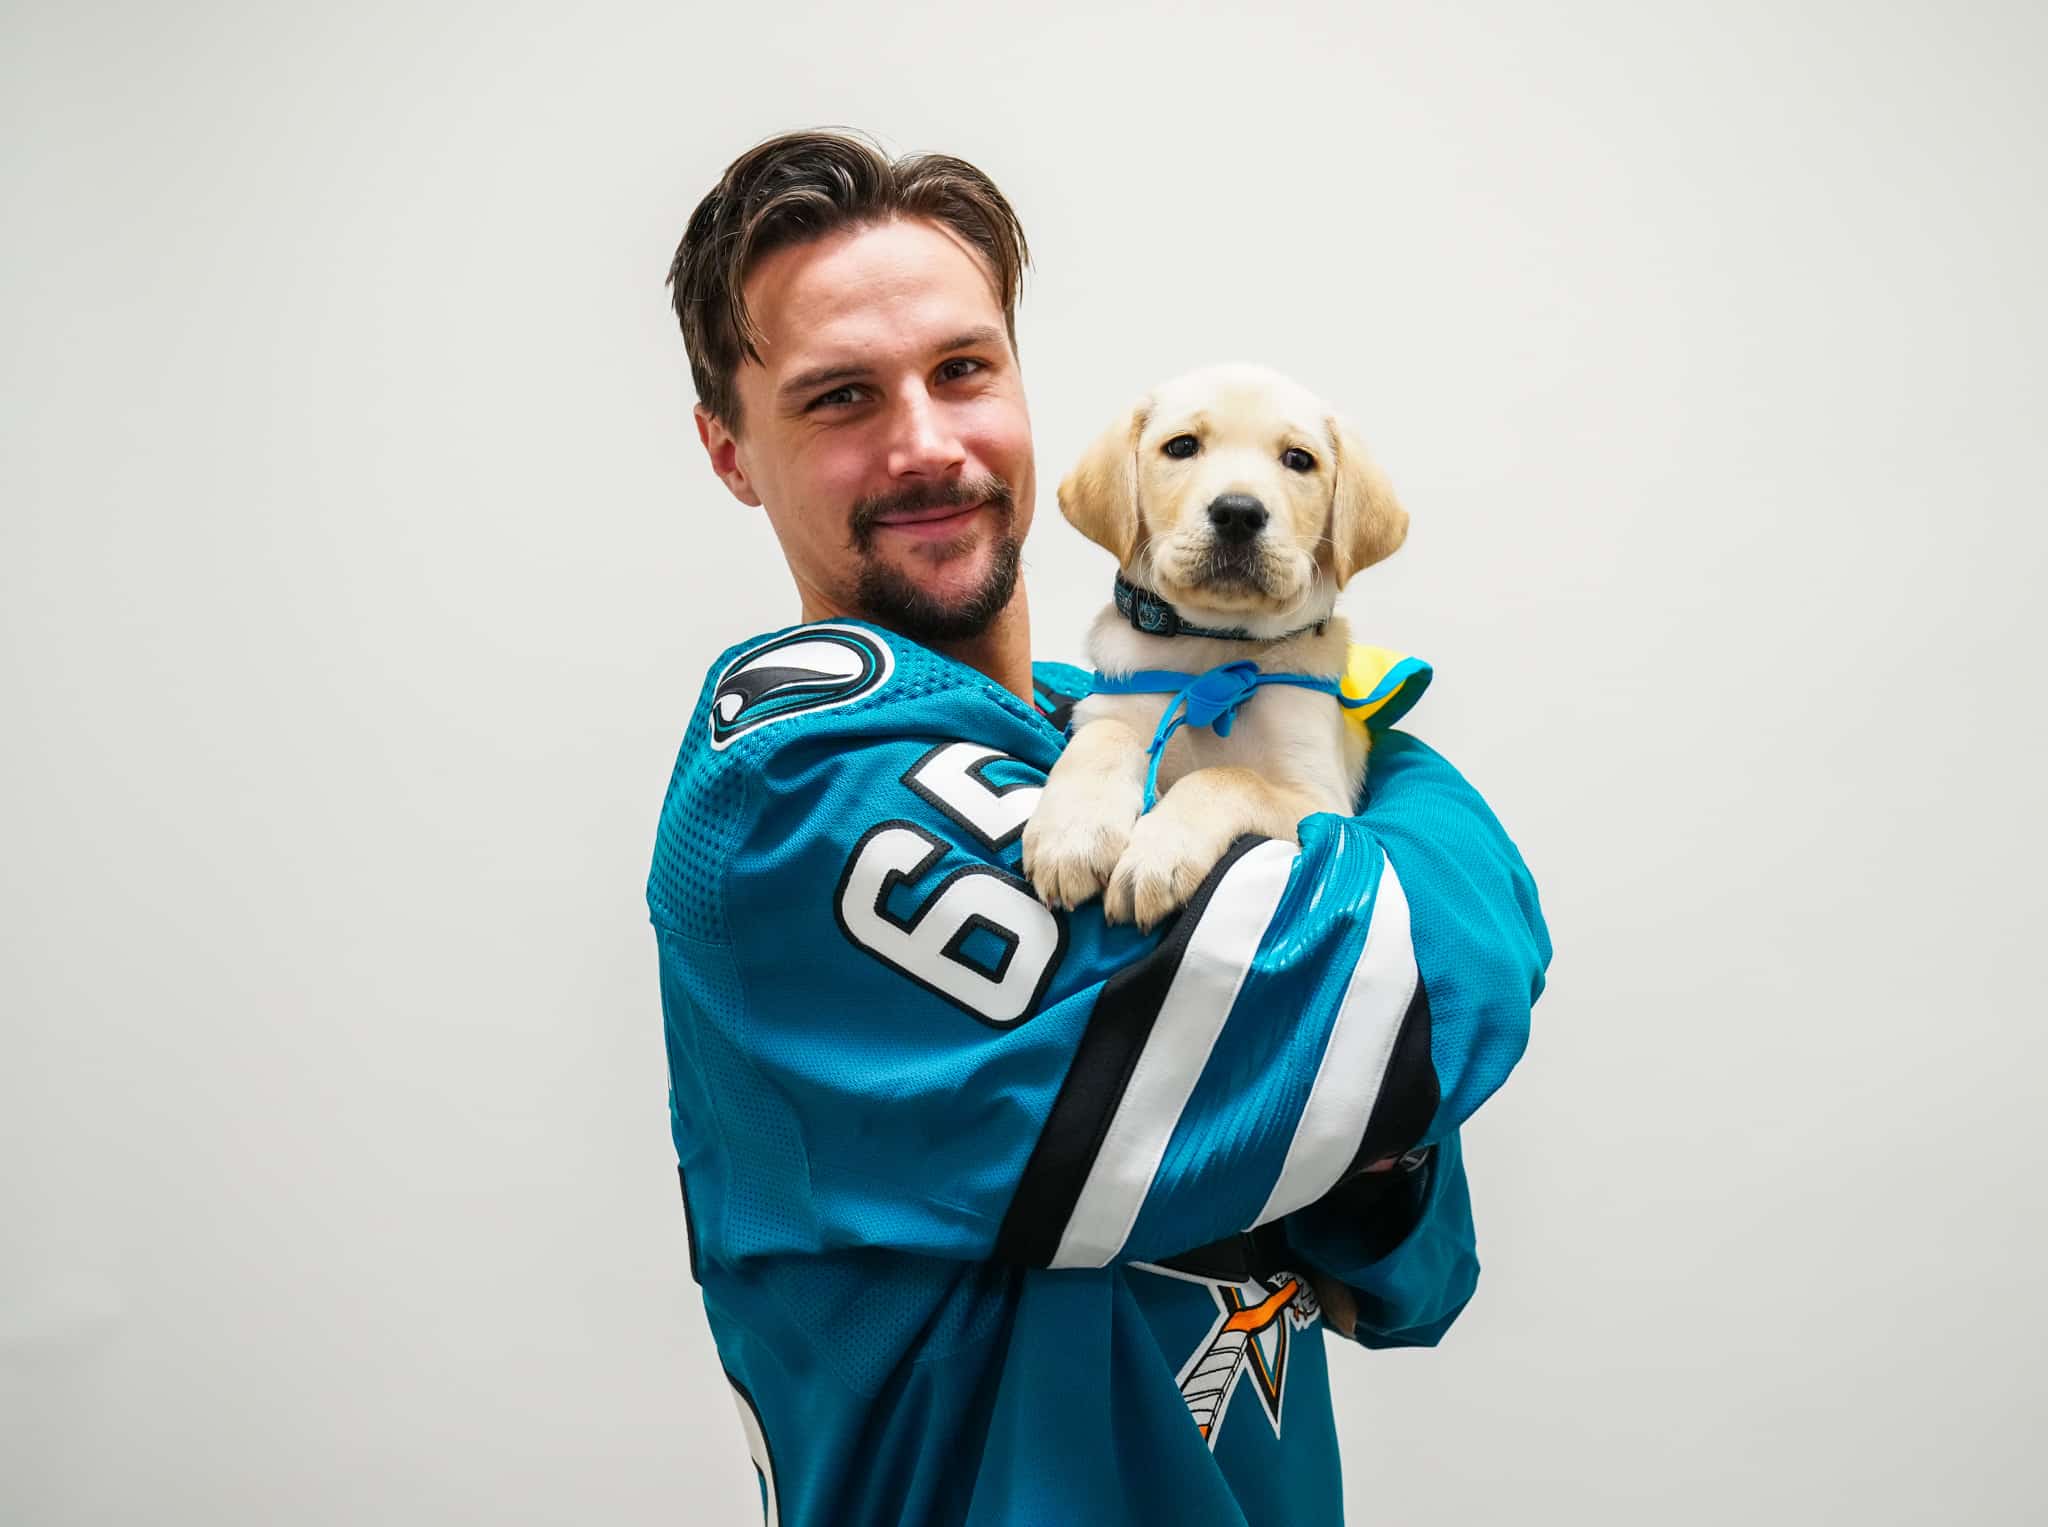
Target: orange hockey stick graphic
(1214,1371)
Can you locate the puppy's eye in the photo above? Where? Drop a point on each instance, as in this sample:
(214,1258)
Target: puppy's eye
(1295,459)
(1181,446)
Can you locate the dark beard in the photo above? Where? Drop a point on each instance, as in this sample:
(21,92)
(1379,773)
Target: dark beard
(889,597)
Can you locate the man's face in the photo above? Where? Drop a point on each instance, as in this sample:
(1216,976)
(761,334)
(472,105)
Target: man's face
(885,430)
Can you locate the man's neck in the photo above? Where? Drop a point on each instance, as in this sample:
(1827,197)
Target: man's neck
(1002,651)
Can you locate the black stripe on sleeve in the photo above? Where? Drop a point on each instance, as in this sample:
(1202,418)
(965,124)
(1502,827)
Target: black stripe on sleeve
(1116,1035)
(1381,1209)
(689,1226)
(1230,1260)
(1409,1092)
(1054,706)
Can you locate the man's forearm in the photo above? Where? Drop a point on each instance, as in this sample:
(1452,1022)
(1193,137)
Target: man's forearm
(1402,1242)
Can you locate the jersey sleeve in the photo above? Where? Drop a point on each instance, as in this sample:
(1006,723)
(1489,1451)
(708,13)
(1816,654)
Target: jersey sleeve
(1479,939)
(906,1049)
(1402,1241)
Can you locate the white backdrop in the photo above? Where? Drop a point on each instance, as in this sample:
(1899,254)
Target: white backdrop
(359,566)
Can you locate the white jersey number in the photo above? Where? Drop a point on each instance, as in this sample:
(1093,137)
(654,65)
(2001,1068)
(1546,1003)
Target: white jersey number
(935,945)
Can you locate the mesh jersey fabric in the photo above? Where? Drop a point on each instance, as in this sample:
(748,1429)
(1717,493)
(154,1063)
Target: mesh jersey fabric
(945,1153)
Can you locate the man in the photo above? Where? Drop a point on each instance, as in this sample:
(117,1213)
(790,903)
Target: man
(1003,1214)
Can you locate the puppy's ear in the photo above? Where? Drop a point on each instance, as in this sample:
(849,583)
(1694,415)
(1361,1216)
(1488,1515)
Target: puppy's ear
(1100,496)
(1367,523)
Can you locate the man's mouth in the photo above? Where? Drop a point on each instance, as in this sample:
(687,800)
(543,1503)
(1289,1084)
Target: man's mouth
(946,512)
(930,527)
(934,521)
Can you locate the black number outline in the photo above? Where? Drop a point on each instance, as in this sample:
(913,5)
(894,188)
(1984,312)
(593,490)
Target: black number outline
(978,773)
(936,850)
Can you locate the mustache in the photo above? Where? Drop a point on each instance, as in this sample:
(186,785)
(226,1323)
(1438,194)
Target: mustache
(959,493)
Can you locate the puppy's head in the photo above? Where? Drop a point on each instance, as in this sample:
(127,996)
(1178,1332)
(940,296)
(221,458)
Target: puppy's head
(1233,489)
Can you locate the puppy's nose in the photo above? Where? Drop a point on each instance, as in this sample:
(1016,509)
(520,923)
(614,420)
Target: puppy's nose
(1237,517)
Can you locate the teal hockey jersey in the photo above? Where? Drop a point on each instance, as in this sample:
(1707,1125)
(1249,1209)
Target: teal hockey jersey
(1002,1214)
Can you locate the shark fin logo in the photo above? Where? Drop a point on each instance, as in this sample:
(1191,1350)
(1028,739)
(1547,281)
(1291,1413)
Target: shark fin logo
(810,668)
(1246,1347)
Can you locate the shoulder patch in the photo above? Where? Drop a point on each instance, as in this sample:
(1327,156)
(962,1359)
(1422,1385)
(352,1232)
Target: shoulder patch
(811,668)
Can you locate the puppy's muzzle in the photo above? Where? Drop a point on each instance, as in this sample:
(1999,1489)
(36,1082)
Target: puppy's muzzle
(1236,518)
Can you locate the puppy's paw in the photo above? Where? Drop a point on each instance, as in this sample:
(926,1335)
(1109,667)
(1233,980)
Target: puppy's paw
(1073,840)
(1160,869)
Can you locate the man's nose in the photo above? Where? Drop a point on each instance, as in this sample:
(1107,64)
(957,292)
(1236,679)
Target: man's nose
(1237,517)
(925,440)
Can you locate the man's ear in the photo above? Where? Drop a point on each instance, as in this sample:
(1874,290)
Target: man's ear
(723,447)
(1100,496)
(1367,523)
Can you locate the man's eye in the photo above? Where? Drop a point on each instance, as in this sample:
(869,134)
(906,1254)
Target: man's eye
(1296,459)
(949,374)
(1182,446)
(833,398)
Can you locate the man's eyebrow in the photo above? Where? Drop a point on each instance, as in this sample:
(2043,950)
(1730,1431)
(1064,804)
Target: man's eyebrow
(794,390)
(968,339)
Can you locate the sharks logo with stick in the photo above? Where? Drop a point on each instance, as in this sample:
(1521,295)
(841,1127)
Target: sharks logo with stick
(810,668)
(1248,1343)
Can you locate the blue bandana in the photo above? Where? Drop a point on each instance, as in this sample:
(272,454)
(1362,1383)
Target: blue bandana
(1206,699)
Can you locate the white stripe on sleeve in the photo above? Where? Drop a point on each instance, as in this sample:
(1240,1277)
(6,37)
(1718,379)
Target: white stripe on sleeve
(1355,1058)
(1212,969)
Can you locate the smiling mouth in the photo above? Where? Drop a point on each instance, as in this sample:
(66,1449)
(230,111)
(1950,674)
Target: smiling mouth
(931,512)
(944,514)
(936,527)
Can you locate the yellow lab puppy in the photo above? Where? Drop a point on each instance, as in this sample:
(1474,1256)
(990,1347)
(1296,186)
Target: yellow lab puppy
(1237,506)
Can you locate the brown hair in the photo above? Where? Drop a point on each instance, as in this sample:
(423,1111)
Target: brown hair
(801,186)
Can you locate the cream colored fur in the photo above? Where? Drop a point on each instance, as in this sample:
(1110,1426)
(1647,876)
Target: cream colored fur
(1290,751)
